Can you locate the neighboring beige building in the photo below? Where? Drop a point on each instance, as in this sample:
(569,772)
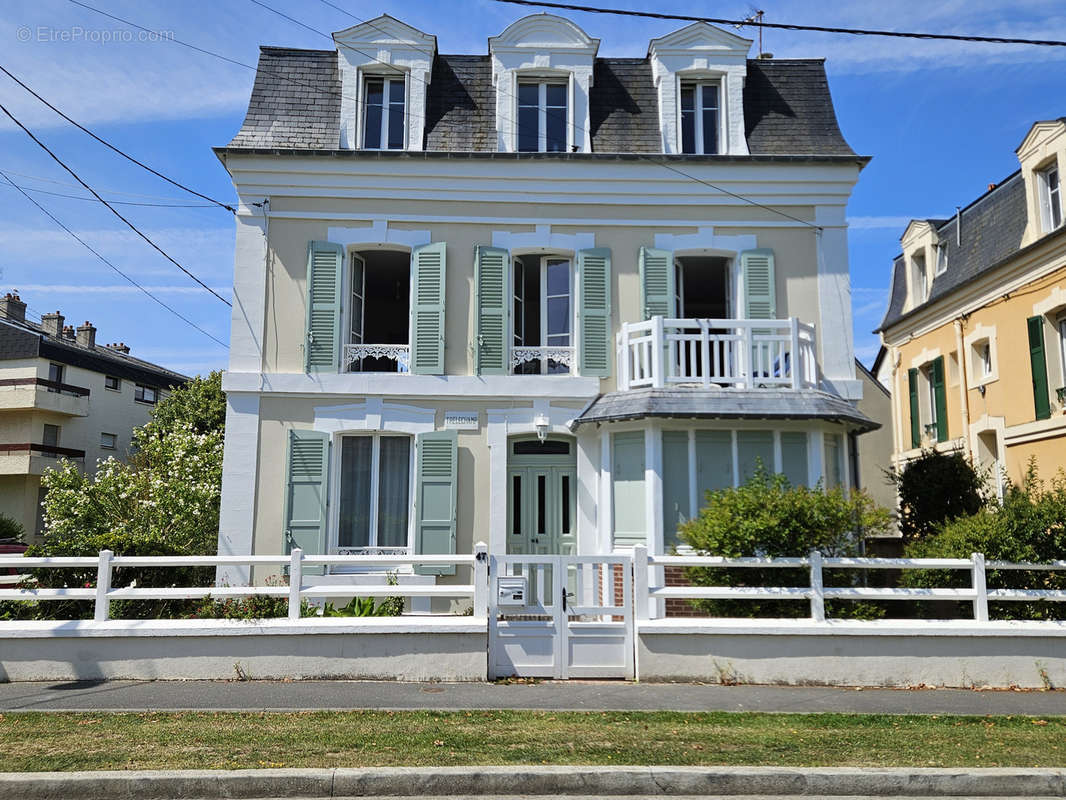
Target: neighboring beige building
(532,297)
(976,325)
(62,396)
(875,447)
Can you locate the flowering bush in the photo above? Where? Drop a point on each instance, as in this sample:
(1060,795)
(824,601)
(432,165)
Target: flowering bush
(165,501)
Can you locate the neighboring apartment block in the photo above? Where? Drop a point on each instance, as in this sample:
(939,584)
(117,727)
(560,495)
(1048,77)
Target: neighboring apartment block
(976,324)
(63,396)
(533,296)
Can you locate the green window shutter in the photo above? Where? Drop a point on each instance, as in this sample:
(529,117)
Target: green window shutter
(1038,362)
(940,397)
(656,282)
(435,488)
(306,492)
(325,260)
(490,284)
(916,423)
(427,312)
(594,313)
(760,292)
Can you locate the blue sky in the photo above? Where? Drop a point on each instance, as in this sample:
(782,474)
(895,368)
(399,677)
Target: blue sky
(940,119)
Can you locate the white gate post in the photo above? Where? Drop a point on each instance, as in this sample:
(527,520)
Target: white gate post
(296,580)
(641,606)
(481,580)
(817,589)
(980,586)
(102,609)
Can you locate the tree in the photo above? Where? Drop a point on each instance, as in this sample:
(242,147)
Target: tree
(934,488)
(769,517)
(165,501)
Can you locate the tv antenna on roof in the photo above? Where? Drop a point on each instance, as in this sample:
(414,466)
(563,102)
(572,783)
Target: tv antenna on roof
(755,18)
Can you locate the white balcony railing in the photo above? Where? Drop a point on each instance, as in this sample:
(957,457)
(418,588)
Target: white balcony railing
(727,353)
(553,357)
(354,354)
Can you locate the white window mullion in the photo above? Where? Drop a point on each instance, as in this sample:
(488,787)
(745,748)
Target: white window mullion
(543,304)
(698,118)
(375,461)
(542,117)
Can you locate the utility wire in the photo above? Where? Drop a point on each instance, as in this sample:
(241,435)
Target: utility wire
(122,153)
(89,247)
(951,37)
(110,207)
(102,191)
(114,202)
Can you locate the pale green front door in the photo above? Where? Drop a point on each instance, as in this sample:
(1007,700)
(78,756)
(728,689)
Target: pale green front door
(542,498)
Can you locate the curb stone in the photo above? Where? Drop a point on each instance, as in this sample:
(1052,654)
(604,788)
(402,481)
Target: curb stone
(531,780)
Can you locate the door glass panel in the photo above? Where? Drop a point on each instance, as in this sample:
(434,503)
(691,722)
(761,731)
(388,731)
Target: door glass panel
(375,95)
(710,119)
(566,504)
(516,505)
(393,490)
(542,501)
(528,117)
(354,528)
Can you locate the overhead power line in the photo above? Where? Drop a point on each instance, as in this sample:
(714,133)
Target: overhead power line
(115,202)
(99,189)
(110,207)
(121,152)
(89,247)
(951,37)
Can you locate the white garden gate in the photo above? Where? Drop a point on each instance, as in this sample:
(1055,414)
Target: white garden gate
(553,616)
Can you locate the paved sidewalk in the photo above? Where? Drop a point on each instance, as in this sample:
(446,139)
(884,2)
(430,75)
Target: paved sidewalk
(547,695)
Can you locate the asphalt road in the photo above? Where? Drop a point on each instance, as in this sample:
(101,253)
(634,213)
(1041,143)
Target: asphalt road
(547,695)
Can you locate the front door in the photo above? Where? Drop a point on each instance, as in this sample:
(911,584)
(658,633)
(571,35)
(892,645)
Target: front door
(542,504)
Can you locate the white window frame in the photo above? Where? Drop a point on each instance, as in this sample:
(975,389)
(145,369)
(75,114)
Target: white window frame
(941,258)
(142,389)
(1060,324)
(118,383)
(387,78)
(543,304)
(919,281)
(981,337)
(542,82)
(375,466)
(699,84)
(1050,198)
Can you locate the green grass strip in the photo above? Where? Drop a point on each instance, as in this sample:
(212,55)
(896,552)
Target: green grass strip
(203,740)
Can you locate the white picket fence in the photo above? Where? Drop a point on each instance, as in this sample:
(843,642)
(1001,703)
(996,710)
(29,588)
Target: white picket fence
(645,589)
(299,588)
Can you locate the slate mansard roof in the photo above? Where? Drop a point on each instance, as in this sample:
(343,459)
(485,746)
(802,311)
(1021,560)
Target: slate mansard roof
(991,232)
(296,100)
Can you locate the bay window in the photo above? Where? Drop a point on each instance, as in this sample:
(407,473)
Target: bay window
(700,113)
(384,101)
(375,491)
(543,116)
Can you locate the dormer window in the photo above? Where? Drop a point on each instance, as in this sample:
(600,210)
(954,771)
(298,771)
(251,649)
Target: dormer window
(542,116)
(700,114)
(383,113)
(918,280)
(1050,198)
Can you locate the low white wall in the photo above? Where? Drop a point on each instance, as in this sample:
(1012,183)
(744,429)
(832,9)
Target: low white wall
(881,653)
(407,648)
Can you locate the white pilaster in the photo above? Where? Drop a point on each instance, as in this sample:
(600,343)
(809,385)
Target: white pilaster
(249,291)
(240,461)
(834,304)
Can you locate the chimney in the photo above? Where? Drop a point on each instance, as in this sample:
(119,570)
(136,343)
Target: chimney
(121,347)
(12,308)
(991,186)
(87,335)
(52,324)
(68,332)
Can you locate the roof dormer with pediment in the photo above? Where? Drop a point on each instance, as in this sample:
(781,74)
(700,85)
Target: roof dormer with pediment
(543,46)
(701,53)
(383,48)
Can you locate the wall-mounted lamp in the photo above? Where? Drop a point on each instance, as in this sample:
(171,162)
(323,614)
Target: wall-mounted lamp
(542,424)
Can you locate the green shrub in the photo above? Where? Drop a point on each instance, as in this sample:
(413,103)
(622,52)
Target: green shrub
(769,517)
(11,529)
(1030,526)
(934,488)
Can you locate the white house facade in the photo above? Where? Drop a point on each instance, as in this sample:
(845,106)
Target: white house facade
(533,297)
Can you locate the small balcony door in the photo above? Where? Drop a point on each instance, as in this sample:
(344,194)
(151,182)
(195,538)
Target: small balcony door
(542,320)
(378,312)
